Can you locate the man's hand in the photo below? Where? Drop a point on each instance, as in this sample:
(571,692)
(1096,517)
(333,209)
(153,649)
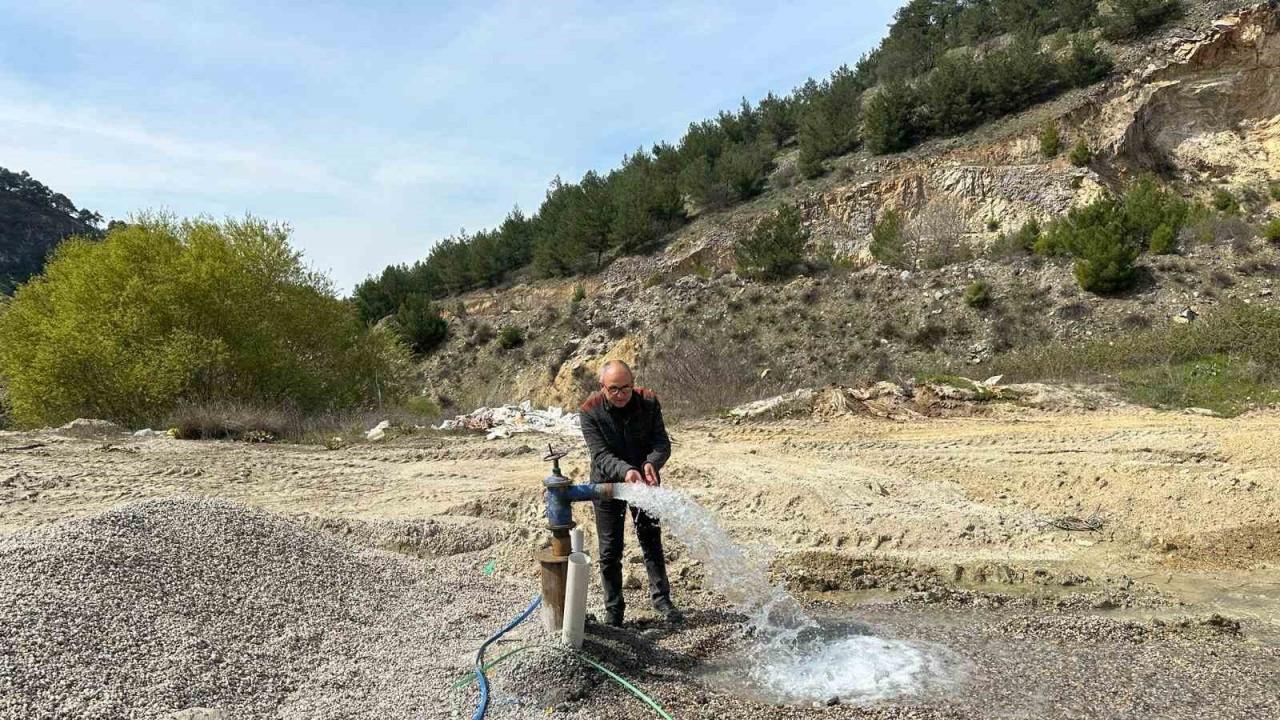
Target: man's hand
(651,475)
(633,475)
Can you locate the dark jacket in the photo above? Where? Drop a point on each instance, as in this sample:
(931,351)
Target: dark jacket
(625,438)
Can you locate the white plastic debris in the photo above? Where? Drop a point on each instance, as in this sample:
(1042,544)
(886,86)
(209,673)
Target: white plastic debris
(507,420)
(379,431)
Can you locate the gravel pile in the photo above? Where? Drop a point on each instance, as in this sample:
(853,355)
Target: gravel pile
(167,605)
(164,605)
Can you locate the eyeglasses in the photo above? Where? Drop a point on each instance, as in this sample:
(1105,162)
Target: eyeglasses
(617,389)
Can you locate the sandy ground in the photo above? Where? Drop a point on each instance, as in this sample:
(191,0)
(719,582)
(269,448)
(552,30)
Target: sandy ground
(934,530)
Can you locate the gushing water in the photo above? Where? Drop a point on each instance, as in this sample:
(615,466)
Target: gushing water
(794,658)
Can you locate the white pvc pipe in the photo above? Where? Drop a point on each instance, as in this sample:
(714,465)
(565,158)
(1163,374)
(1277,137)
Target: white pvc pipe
(575,540)
(575,600)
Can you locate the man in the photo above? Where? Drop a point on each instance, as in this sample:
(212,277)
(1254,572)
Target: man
(628,442)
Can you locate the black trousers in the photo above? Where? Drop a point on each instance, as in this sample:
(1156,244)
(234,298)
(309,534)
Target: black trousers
(610,521)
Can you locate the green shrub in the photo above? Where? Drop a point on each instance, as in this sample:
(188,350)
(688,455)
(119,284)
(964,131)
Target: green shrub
(1225,202)
(1095,235)
(1105,261)
(420,324)
(579,294)
(993,225)
(163,312)
(776,245)
(654,280)
(1131,18)
(888,240)
(1023,241)
(1275,190)
(1149,207)
(510,337)
(1164,241)
(889,124)
(1271,231)
(1081,155)
(422,406)
(1108,234)
(978,294)
(1085,63)
(1050,140)
(745,167)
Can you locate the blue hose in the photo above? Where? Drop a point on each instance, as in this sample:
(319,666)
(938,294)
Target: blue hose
(483,681)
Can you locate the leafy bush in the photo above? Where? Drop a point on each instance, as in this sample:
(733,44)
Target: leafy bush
(163,312)
(978,294)
(510,337)
(1164,241)
(1023,241)
(1105,263)
(1050,140)
(1271,231)
(1275,190)
(1224,202)
(1131,18)
(888,244)
(1107,235)
(420,324)
(1096,235)
(775,246)
(1148,208)
(1081,155)
(1084,63)
(579,294)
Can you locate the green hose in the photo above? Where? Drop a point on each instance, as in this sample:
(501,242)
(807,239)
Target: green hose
(470,677)
(623,682)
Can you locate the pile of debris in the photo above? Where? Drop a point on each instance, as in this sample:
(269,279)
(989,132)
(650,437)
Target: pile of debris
(883,399)
(505,421)
(923,397)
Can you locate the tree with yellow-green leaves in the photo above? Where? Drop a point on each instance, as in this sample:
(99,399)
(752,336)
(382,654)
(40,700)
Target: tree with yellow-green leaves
(165,311)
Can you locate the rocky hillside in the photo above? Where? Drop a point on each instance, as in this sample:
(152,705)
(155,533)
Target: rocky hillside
(1199,106)
(34,219)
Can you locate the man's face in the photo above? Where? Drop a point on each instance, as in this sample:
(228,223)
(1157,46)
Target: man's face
(617,385)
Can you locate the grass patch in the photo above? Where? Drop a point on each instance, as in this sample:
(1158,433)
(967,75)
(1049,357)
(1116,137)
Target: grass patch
(246,422)
(1228,361)
(1220,383)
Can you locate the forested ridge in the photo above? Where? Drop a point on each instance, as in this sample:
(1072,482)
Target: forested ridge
(944,67)
(33,220)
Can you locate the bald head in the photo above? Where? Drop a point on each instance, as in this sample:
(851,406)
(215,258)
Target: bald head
(613,366)
(617,382)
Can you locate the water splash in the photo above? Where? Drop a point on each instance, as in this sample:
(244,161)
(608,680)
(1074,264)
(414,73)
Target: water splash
(794,658)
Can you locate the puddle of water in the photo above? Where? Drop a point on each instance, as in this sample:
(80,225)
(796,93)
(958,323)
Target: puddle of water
(791,657)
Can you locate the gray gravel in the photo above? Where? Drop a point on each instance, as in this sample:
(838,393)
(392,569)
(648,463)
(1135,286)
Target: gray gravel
(166,605)
(173,605)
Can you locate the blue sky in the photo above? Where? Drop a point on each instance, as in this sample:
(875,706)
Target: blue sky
(377,128)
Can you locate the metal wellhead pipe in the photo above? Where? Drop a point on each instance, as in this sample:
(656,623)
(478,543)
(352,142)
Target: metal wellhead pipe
(560,494)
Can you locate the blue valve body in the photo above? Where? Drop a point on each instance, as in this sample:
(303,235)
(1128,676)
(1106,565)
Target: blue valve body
(559,499)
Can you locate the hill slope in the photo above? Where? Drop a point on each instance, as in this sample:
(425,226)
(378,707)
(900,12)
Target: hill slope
(33,220)
(684,312)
